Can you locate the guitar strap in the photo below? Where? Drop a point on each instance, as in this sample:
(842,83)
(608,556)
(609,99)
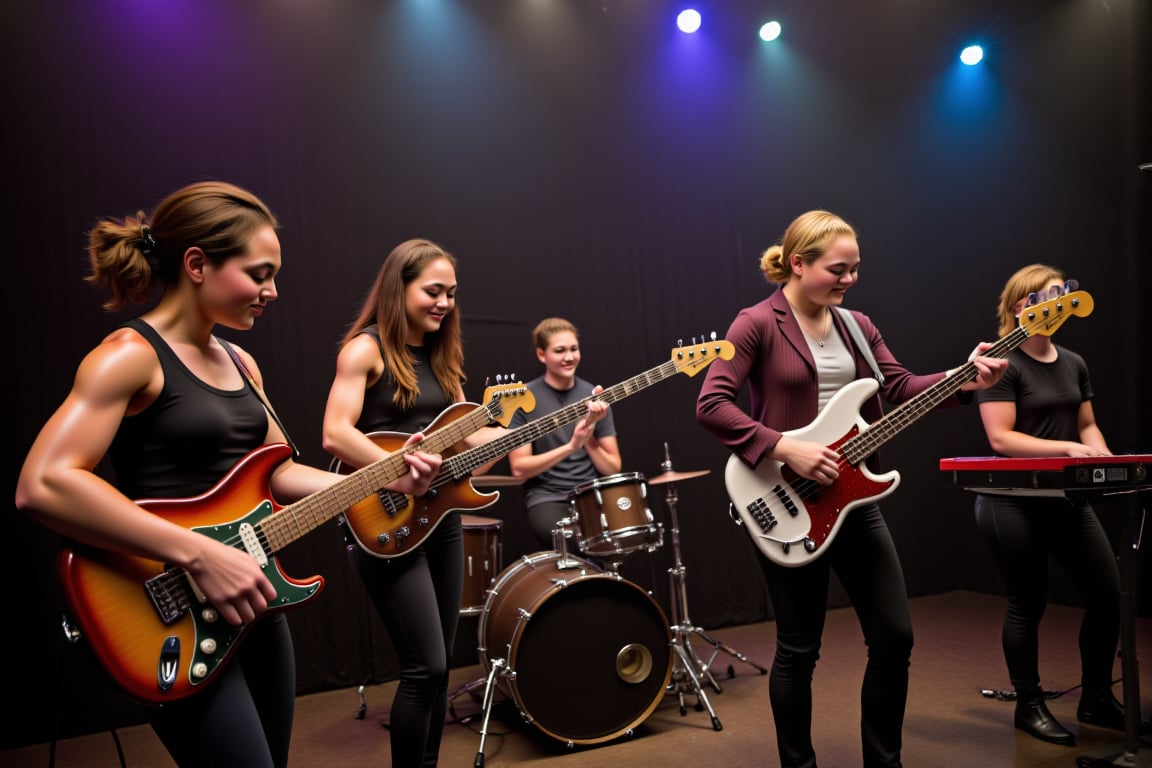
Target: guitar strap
(861,343)
(260,394)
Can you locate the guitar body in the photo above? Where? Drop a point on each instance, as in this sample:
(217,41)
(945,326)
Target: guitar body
(790,518)
(390,524)
(158,640)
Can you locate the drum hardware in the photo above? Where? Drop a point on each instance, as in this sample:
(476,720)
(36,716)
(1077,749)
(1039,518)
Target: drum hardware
(691,669)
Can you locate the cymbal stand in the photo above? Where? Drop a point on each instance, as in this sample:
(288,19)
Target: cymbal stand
(691,665)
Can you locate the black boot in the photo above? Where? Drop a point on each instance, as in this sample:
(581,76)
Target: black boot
(1099,707)
(1033,717)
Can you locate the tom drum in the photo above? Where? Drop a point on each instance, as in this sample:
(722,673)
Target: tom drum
(483,557)
(611,516)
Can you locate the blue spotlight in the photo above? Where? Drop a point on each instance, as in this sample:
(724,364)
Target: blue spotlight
(972,55)
(688,20)
(770,31)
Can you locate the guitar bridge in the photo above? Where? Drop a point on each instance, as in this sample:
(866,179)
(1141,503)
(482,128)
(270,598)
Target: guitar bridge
(762,515)
(168,593)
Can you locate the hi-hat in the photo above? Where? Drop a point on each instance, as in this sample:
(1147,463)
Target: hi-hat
(675,477)
(492,481)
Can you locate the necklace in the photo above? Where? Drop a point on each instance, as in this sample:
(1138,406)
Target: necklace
(827,327)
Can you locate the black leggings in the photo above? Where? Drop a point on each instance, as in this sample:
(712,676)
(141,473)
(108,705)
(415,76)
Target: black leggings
(243,719)
(1021,532)
(418,598)
(865,561)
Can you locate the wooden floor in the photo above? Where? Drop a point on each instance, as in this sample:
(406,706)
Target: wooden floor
(948,723)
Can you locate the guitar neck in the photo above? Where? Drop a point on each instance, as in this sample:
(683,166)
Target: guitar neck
(891,424)
(308,514)
(464,462)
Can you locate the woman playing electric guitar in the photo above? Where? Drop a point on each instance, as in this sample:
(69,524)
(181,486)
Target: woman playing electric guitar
(174,411)
(794,353)
(400,366)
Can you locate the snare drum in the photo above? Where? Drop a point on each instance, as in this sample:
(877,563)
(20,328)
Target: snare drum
(588,654)
(612,517)
(483,557)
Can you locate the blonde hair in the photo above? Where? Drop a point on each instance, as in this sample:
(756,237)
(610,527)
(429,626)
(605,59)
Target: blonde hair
(809,236)
(1026,280)
(549,327)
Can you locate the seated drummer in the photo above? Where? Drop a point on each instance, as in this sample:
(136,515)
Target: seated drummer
(555,464)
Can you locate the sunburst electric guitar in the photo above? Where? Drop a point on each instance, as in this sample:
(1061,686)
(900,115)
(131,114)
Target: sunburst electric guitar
(148,624)
(792,519)
(391,524)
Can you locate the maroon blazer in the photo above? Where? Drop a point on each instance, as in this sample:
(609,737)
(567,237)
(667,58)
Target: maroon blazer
(772,357)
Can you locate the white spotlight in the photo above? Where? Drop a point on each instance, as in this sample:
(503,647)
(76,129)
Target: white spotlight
(972,55)
(688,20)
(770,31)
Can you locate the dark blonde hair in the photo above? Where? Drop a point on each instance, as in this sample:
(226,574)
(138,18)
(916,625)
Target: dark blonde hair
(809,235)
(1026,280)
(128,255)
(549,327)
(385,308)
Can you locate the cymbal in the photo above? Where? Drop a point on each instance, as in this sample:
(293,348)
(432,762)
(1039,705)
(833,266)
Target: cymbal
(675,477)
(492,481)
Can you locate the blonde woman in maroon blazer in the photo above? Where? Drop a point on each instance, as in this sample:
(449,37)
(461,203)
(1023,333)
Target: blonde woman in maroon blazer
(795,353)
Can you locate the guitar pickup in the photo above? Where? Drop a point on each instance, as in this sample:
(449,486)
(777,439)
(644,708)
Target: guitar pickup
(782,493)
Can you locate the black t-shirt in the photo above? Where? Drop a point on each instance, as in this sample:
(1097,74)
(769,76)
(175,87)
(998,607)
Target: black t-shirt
(1047,395)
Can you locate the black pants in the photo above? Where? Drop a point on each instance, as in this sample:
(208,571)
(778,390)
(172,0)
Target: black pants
(243,719)
(418,598)
(864,559)
(542,519)
(1021,532)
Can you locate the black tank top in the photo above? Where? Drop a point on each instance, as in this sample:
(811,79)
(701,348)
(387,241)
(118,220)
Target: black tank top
(189,437)
(381,414)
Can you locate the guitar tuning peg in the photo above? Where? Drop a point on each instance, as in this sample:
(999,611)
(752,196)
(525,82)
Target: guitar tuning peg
(713,335)
(679,342)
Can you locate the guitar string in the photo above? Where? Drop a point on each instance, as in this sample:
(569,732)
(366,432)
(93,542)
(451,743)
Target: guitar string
(617,392)
(937,392)
(268,527)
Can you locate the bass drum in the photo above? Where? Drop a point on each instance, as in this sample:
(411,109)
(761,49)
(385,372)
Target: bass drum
(587,653)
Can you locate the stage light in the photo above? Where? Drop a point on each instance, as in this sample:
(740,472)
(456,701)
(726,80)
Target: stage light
(972,55)
(688,20)
(770,31)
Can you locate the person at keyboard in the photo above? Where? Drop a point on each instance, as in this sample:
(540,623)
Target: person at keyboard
(1042,406)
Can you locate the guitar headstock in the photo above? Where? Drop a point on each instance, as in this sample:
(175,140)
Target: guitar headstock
(503,400)
(696,357)
(1044,318)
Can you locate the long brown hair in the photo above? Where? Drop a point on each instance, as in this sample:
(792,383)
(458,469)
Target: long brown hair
(384,307)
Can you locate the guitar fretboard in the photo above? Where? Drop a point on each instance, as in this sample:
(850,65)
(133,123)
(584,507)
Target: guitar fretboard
(866,443)
(296,520)
(456,467)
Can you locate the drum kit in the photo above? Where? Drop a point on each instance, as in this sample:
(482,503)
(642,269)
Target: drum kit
(556,614)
